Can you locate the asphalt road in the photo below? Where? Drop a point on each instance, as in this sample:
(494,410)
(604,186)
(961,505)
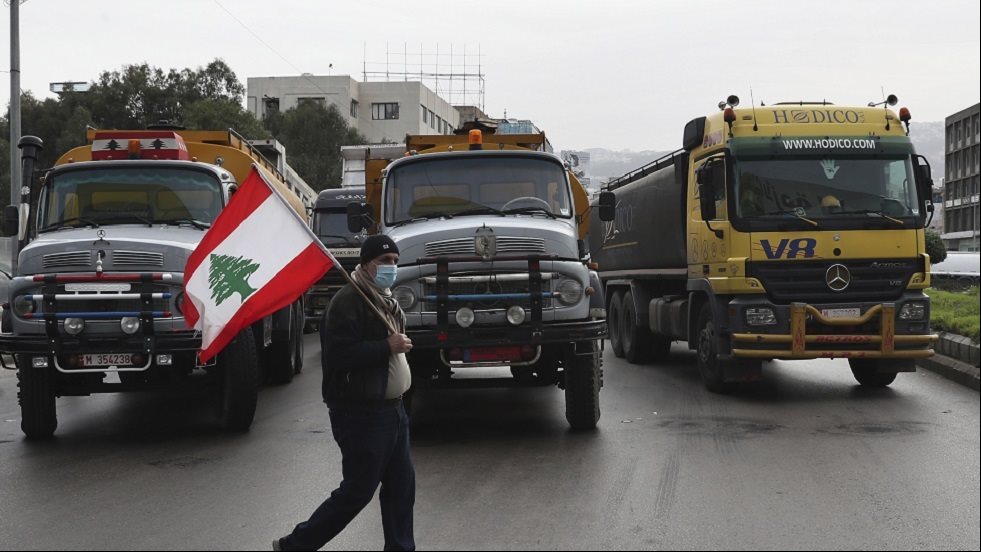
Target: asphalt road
(805,460)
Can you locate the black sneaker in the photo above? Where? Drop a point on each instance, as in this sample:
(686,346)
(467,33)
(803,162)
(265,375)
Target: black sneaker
(277,544)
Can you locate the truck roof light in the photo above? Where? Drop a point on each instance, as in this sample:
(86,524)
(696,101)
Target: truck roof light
(134,148)
(904,115)
(729,115)
(476,140)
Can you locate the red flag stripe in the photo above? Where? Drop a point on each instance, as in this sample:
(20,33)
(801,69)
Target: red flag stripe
(251,194)
(284,288)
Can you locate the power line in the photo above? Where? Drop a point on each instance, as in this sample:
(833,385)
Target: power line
(288,62)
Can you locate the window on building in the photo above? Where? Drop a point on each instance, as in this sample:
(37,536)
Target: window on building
(322,102)
(425,114)
(432,119)
(354,108)
(384,111)
(271,104)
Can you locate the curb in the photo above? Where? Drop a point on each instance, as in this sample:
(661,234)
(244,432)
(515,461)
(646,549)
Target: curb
(953,369)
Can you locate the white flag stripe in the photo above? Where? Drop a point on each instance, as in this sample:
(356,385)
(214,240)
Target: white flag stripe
(270,245)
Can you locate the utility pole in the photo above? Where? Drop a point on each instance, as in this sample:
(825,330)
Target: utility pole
(15,176)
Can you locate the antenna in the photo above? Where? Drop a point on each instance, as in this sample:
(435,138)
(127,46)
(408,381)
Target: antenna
(752,103)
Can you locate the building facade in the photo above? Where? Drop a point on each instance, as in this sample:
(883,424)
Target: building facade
(961,179)
(381,111)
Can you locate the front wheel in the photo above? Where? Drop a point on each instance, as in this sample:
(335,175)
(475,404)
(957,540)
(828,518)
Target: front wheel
(710,367)
(871,372)
(38,414)
(238,373)
(583,380)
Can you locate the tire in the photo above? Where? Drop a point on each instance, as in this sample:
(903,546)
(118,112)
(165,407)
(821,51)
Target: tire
(637,340)
(38,414)
(583,380)
(298,347)
(710,367)
(281,356)
(238,374)
(869,372)
(614,319)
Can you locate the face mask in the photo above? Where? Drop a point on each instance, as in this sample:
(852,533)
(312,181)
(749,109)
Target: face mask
(385,276)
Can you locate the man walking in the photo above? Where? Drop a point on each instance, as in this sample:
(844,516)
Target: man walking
(365,374)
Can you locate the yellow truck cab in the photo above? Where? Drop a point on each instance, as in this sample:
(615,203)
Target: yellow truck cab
(789,231)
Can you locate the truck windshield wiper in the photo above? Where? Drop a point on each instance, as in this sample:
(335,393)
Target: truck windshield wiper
(541,210)
(200,225)
(873,212)
(70,223)
(793,213)
(117,218)
(483,210)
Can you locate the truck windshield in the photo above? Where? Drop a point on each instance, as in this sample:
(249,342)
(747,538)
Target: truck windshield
(826,188)
(330,225)
(125,195)
(464,186)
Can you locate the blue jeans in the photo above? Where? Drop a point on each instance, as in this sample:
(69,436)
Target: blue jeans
(374,444)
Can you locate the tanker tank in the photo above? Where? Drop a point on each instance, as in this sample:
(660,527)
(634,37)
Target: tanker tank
(649,230)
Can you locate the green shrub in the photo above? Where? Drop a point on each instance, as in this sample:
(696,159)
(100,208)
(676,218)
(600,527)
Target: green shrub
(958,313)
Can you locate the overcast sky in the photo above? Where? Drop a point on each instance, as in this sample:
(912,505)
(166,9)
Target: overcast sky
(613,74)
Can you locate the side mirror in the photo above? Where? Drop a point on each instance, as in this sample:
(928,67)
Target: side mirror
(11,220)
(355,217)
(607,206)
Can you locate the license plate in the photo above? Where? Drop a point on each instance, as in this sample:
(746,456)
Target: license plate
(106,359)
(99,287)
(841,313)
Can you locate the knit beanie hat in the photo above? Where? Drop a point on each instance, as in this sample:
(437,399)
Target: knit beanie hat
(376,246)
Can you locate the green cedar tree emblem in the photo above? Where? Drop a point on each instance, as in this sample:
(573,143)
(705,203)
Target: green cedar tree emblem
(230,275)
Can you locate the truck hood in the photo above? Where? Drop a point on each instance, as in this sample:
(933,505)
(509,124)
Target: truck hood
(558,236)
(127,248)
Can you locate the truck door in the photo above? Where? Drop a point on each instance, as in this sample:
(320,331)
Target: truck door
(710,231)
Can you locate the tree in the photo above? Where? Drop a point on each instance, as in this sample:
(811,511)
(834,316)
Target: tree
(230,275)
(313,136)
(216,114)
(935,247)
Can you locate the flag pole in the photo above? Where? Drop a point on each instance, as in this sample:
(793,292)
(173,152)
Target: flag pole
(347,277)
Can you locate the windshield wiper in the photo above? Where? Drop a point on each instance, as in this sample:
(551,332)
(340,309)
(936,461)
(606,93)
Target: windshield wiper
(873,212)
(482,210)
(542,210)
(794,213)
(200,225)
(68,223)
(116,218)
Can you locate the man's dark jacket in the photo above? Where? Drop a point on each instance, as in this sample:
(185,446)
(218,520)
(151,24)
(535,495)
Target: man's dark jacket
(355,352)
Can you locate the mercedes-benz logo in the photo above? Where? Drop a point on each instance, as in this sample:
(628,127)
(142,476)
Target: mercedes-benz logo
(838,277)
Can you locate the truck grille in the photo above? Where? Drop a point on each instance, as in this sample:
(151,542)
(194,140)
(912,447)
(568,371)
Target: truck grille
(103,305)
(871,280)
(136,259)
(480,288)
(71,259)
(465,246)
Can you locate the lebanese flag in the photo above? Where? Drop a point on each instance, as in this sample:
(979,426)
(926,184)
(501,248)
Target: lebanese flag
(258,257)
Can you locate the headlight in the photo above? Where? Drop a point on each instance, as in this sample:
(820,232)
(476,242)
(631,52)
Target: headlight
(405,297)
(465,317)
(913,311)
(761,316)
(130,325)
(570,292)
(74,326)
(516,315)
(23,305)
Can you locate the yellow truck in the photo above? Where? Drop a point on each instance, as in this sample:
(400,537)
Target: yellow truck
(788,231)
(103,238)
(493,268)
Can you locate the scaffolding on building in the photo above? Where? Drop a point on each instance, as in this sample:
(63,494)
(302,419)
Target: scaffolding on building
(455,74)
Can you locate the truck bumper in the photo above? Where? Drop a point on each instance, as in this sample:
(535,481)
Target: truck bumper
(803,331)
(185,343)
(565,332)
